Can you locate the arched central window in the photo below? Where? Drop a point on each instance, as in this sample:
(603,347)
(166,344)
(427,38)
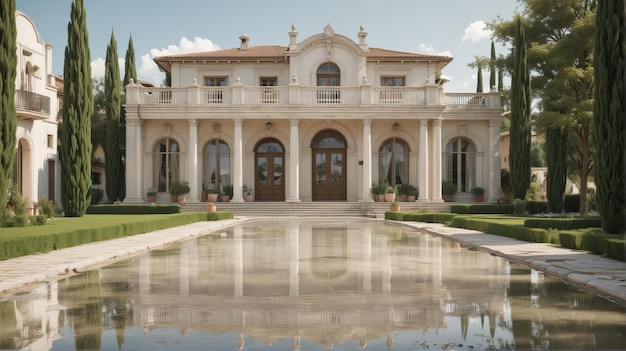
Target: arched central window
(393,162)
(328,75)
(166,163)
(216,166)
(460,164)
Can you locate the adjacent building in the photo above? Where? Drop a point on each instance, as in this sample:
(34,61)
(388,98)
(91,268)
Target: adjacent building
(320,119)
(37,101)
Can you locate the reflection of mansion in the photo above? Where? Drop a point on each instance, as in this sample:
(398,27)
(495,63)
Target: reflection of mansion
(320,119)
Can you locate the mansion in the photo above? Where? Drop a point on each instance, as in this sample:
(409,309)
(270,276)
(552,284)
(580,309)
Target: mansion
(321,119)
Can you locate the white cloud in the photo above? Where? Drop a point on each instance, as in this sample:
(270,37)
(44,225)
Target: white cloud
(98,66)
(429,50)
(476,32)
(149,71)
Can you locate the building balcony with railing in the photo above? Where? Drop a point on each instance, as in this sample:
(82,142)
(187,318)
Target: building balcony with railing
(238,94)
(30,105)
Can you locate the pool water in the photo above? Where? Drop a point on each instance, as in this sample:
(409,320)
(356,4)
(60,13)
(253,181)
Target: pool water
(311,284)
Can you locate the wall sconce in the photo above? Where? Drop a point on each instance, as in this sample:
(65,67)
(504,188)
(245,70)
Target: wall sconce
(396,126)
(269,126)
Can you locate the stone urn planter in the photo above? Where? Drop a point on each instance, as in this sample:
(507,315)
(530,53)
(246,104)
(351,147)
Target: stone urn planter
(210,207)
(395,206)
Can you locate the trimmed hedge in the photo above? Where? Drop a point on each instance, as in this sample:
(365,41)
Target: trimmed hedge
(133,209)
(536,207)
(428,217)
(564,223)
(607,245)
(571,203)
(482,209)
(394,215)
(36,243)
(519,232)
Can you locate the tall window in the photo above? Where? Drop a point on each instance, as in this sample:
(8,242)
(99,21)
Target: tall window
(391,93)
(392,81)
(166,164)
(216,166)
(393,162)
(328,75)
(460,164)
(268,95)
(215,96)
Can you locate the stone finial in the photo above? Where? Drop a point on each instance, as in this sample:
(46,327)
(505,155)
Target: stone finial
(362,35)
(293,36)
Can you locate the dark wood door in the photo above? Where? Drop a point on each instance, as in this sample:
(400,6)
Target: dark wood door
(329,182)
(270,177)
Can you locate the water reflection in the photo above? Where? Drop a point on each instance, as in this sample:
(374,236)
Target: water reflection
(310,285)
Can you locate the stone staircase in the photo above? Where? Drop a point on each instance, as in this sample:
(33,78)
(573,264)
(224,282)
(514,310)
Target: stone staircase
(314,209)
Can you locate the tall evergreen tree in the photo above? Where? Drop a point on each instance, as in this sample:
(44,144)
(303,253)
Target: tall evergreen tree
(492,67)
(520,116)
(8,71)
(556,145)
(479,80)
(77,111)
(609,114)
(130,72)
(113,105)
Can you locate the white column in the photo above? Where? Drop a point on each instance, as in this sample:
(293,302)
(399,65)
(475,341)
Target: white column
(192,169)
(294,162)
(366,251)
(366,196)
(494,161)
(436,155)
(294,264)
(423,171)
(238,162)
(134,162)
(238,260)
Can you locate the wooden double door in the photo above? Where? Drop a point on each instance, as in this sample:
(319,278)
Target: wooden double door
(269,163)
(329,166)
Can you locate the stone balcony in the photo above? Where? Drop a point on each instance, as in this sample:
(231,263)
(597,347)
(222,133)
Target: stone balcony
(296,95)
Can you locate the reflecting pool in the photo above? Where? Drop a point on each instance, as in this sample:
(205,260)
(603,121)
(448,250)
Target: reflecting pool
(315,284)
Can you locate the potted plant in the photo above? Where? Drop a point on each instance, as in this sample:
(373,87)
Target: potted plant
(210,207)
(211,195)
(227,194)
(390,193)
(448,190)
(408,192)
(479,194)
(151,195)
(178,191)
(248,193)
(378,190)
(395,206)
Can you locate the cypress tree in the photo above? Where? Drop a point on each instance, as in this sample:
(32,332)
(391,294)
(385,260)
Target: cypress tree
(113,104)
(609,114)
(130,70)
(77,111)
(520,116)
(479,80)
(556,144)
(8,71)
(492,67)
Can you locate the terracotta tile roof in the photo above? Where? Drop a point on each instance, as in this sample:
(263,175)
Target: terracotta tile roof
(279,53)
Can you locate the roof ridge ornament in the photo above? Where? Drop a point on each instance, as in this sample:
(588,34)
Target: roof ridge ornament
(329,31)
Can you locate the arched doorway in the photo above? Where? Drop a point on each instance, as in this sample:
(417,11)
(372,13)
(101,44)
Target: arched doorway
(329,166)
(393,162)
(269,174)
(216,166)
(460,164)
(166,164)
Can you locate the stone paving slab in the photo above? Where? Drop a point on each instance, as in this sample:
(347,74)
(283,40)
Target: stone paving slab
(603,276)
(600,275)
(21,272)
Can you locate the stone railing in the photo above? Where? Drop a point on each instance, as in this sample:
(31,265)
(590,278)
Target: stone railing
(239,94)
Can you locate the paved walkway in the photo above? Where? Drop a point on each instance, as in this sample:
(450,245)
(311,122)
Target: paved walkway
(603,276)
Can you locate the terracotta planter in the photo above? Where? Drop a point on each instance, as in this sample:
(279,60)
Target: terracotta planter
(211,208)
(151,198)
(224,198)
(211,197)
(390,197)
(447,198)
(394,208)
(479,198)
(174,197)
(411,198)
(250,198)
(182,199)
(379,197)
(203,197)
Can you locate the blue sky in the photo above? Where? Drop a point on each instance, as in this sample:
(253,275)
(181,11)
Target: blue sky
(446,27)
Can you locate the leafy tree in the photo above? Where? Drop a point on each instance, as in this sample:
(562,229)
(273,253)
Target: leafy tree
(113,106)
(77,110)
(609,125)
(8,72)
(560,58)
(520,116)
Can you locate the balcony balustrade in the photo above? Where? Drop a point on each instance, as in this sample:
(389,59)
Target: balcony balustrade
(311,96)
(27,101)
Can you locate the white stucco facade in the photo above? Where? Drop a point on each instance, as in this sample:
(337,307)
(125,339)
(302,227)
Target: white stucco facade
(317,120)
(37,104)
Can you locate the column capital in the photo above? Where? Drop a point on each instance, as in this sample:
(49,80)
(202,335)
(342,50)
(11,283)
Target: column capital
(367,122)
(438,122)
(294,122)
(424,122)
(193,122)
(238,121)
